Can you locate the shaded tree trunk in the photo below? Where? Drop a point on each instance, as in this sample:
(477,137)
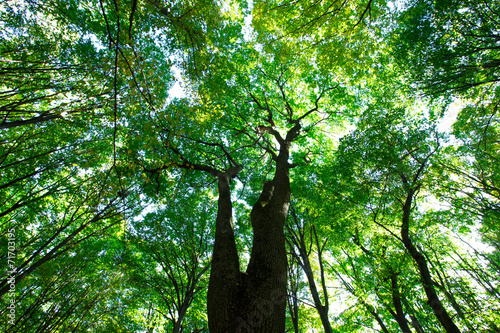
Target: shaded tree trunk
(375,315)
(399,315)
(254,301)
(293,290)
(225,278)
(416,324)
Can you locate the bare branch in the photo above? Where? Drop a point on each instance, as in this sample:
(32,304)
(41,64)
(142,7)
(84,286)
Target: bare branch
(316,102)
(368,8)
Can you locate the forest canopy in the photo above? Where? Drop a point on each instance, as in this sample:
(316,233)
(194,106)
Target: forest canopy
(261,166)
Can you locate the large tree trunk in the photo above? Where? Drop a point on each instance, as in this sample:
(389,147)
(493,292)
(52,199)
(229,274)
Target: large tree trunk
(224,289)
(267,269)
(254,301)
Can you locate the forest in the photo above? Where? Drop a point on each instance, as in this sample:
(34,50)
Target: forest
(188,166)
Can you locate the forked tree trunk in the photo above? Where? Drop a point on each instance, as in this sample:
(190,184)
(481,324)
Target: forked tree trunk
(254,301)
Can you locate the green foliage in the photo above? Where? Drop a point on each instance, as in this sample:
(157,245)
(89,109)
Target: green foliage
(449,45)
(100,167)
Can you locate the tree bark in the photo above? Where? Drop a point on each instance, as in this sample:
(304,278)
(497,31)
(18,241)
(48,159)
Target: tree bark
(225,279)
(254,301)
(293,302)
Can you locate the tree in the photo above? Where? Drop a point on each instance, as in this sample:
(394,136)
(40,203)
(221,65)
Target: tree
(408,161)
(108,182)
(456,43)
(255,300)
(181,249)
(301,250)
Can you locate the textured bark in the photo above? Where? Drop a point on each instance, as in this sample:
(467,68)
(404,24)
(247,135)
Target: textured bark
(293,307)
(225,280)
(254,301)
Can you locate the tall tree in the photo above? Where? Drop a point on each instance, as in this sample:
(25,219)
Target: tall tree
(109,177)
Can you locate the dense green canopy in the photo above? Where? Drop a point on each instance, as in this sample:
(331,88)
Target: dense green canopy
(118,118)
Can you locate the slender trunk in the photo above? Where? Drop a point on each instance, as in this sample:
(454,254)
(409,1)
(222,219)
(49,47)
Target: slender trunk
(318,304)
(322,309)
(23,177)
(36,120)
(293,309)
(416,324)
(293,289)
(366,305)
(396,300)
(444,286)
(378,319)
(425,275)
(323,312)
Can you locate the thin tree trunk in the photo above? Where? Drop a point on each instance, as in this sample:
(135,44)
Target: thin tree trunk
(298,240)
(36,120)
(396,300)
(425,275)
(416,324)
